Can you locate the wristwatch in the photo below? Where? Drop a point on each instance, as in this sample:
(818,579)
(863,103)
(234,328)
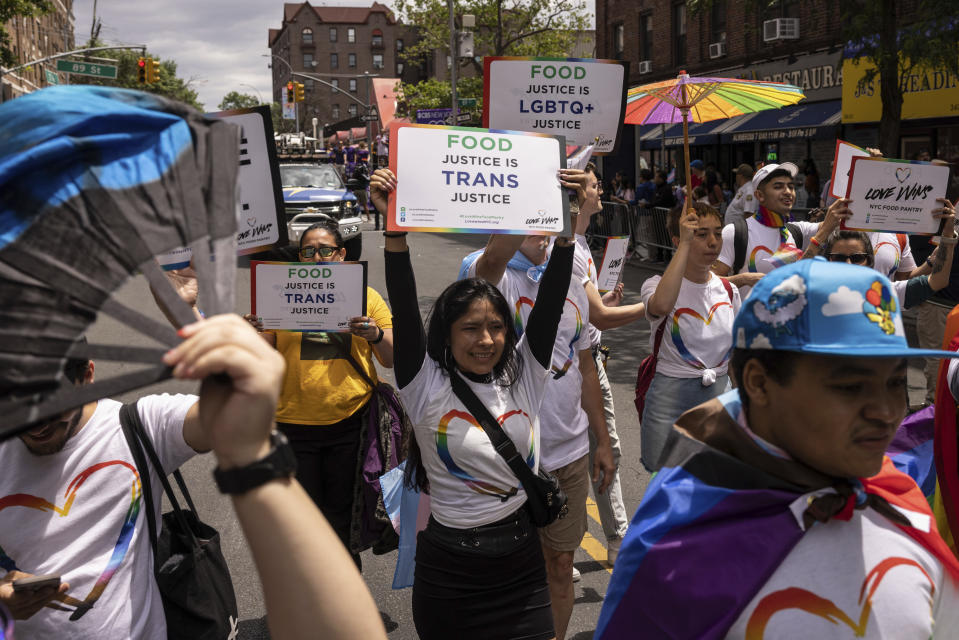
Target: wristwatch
(280,462)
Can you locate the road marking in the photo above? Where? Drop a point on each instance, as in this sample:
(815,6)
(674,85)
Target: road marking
(593,547)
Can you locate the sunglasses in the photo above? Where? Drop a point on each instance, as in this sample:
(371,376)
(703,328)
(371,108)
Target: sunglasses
(854,258)
(325,252)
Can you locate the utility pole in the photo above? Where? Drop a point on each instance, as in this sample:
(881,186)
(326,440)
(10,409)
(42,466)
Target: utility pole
(454,58)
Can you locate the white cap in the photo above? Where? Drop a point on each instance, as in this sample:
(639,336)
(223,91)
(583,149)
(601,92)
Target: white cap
(763,173)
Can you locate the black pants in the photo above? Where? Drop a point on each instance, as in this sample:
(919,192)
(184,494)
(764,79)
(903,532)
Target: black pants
(326,458)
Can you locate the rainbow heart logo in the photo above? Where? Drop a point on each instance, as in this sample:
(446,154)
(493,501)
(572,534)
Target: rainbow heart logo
(804,600)
(70,495)
(903,173)
(677,337)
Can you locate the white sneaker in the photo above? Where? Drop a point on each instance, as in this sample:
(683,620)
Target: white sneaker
(576,575)
(612,550)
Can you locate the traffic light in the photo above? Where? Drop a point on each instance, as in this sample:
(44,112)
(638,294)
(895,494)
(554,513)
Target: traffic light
(142,70)
(290,93)
(153,70)
(298,92)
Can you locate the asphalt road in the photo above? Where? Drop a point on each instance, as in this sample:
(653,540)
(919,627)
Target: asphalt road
(436,258)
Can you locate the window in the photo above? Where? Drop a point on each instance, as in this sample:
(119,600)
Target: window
(377,60)
(619,36)
(334,61)
(399,68)
(717,21)
(377,40)
(332,34)
(307,36)
(352,60)
(352,110)
(336,85)
(399,45)
(351,35)
(307,61)
(336,111)
(646,36)
(679,33)
(353,85)
(781,9)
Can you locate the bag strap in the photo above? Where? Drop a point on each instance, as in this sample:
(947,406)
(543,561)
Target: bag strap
(347,354)
(659,337)
(740,240)
(796,233)
(136,427)
(491,427)
(728,287)
(128,417)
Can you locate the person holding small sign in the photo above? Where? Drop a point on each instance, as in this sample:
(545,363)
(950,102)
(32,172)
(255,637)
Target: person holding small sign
(480,571)
(327,389)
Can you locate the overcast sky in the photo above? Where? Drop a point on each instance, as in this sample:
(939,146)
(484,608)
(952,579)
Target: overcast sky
(217,44)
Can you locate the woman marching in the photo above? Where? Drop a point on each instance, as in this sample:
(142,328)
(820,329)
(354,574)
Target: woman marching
(479,567)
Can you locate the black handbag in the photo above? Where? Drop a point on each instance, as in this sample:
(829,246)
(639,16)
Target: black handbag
(190,570)
(545,499)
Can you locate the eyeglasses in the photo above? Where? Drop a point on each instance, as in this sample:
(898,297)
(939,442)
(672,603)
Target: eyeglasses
(325,252)
(854,258)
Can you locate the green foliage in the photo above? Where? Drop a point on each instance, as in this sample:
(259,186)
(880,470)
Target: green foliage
(237,100)
(168,85)
(503,28)
(14,9)
(280,125)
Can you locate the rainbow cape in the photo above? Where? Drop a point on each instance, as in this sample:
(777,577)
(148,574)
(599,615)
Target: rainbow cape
(715,523)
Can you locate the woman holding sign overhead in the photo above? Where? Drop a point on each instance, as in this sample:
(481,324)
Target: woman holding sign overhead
(328,387)
(480,571)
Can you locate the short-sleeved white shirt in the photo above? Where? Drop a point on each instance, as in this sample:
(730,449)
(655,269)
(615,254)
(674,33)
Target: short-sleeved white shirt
(79,513)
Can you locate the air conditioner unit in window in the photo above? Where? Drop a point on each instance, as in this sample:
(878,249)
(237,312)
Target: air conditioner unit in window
(645,66)
(717,50)
(781,29)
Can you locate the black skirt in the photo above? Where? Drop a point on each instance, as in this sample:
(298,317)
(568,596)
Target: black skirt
(486,583)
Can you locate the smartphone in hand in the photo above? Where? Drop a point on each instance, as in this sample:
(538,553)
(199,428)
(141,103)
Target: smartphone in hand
(36,583)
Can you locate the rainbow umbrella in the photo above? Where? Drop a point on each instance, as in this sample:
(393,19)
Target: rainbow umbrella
(703,99)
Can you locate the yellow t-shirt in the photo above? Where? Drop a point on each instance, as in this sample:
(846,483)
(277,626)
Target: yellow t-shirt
(320,387)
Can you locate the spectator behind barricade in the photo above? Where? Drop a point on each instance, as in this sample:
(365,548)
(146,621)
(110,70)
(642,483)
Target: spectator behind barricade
(699,195)
(308,579)
(645,190)
(727,192)
(697,174)
(811,184)
(624,194)
(480,570)
(714,190)
(327,393)
(784,483)
(663,193)
(744,203)
(698,307)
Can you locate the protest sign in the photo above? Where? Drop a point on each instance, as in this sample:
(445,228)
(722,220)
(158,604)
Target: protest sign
(896,196)
(308,296)
(842,165)
(262,217)
(458,179)
(579,98)
(614,258)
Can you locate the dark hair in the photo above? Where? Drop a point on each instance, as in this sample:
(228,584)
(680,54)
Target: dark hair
(450,306)
(775,173)
(75,368)
(702,210)
(779,365)
(330,226)
(849,234)
(646,175)
(661,174)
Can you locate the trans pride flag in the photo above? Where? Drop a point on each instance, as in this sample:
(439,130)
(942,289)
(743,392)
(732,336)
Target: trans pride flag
(716,523)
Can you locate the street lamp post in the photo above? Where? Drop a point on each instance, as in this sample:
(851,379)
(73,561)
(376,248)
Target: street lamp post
(259,96)
(296,110)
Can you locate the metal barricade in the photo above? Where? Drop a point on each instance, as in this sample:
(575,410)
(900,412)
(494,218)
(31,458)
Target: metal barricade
(616,219)
(652,239)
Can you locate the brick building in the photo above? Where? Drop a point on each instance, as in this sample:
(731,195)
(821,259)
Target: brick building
(791,41)
(341,45)
(35,38)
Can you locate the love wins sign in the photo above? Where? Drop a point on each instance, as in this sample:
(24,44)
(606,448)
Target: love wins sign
(896,196)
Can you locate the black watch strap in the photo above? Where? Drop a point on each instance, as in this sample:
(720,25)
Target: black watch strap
(280,462)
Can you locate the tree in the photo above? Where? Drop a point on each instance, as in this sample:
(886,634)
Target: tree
(503,28)
(876,31)
(168,85)
(10,9)
(237,100)
(281,124)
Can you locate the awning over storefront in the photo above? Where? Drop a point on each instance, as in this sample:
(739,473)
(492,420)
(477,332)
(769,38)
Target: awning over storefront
(699,133)
(805,120)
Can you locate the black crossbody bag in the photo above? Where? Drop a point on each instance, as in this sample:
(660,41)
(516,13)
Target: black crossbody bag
(190,570)
(545,499)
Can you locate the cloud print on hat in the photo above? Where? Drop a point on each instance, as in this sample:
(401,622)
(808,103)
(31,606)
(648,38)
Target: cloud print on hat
(785,303)
(843,301)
